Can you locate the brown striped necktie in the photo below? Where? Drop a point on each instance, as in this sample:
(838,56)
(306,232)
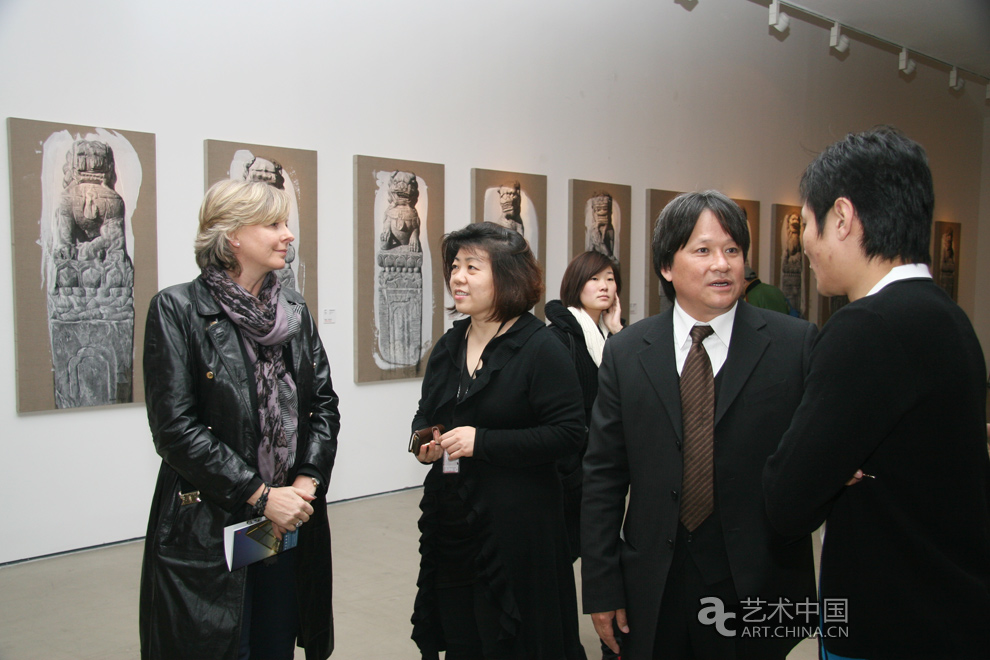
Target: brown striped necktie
(698,419)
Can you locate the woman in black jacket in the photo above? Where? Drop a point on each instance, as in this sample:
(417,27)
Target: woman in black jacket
(587,313)
(495,577)
(243,413)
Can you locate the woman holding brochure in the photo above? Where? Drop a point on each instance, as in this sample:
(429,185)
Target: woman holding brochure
(243,413)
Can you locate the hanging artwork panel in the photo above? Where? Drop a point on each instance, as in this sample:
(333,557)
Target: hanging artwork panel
(790,272)
(656,201)
(601,222)
(945,265)
(516,201)
(398,283)
(292,170)
(85,258)
(751,209)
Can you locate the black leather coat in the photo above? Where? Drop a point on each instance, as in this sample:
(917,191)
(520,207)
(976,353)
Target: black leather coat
(201,408)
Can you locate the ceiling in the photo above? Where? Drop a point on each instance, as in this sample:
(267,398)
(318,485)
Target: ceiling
(957,32)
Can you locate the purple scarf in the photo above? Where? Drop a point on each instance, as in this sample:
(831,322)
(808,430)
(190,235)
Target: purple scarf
(266,326)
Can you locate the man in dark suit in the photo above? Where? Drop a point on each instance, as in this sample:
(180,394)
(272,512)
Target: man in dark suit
(696,564)
(895,398)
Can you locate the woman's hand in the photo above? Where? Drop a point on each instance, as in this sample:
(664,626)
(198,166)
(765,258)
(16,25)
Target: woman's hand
(613,317)
(431,451)
(288,508)
(305,483)
(458,442)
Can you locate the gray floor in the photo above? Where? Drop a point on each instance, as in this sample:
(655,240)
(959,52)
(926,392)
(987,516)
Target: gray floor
(83,605)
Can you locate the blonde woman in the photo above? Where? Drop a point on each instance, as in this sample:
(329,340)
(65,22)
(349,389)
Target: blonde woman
(243,413)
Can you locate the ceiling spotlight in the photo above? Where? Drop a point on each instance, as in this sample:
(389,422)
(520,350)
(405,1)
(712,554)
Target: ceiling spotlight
(955,81)
(778,19)
(837,40)
(905,63)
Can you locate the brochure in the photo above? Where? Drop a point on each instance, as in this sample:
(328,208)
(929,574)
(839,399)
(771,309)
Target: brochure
(253,540)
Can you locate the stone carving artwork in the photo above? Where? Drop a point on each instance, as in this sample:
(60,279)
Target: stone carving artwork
(946,263)
(295,172)
(399,292)
(400,274)
(268,170)
(510,206)
(517,201)
(792,263)
(600,223)
(85,262)
(265,170)
(90,283)
(601,232)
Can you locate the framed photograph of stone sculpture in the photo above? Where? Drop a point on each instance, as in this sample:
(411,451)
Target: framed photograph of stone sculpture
(600,222)
(945,264)
(292,170)
(789,266)
(751,209)
(656,200)
(85,257)
(398,284)
(516,201)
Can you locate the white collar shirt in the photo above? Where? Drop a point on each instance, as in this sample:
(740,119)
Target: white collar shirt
(905,272)
(716,344)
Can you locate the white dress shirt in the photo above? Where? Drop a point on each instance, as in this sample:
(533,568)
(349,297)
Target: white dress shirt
(716,344)
(905,272)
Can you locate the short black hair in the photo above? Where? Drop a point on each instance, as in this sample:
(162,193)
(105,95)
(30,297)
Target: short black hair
(581,269)
(886,176)
(676,222)
(516,274)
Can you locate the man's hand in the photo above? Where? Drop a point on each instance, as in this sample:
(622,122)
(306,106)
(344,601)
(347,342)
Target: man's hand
(603,626)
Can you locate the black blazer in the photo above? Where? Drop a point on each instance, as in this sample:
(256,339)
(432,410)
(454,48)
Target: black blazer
(635,448)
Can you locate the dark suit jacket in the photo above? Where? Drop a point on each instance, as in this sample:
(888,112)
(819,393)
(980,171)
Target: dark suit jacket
(897,388)
(635,446)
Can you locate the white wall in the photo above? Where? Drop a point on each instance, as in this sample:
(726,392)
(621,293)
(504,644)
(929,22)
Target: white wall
(641,92)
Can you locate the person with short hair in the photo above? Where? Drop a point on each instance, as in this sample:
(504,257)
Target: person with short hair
(495,576)
(674,533)
(243,413)
(888,447)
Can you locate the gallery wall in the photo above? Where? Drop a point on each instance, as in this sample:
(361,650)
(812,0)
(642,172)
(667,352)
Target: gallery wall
(644,93)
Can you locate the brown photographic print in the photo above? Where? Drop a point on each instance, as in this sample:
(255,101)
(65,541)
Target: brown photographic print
(751,209)
(789,266)
(85,259)
(945,264)
(292,170)
(398,283)
(516,201)
(656,201)
(600,222)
